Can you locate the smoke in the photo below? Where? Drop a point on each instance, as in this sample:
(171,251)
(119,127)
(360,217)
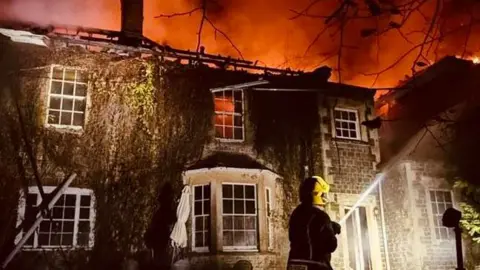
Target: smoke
(265,31)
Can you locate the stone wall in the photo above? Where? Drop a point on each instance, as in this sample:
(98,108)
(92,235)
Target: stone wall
(411,237)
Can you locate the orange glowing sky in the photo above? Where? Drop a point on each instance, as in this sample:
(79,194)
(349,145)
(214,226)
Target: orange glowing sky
(263,30)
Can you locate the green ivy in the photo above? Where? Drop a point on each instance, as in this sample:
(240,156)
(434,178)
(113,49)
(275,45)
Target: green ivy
(471,221)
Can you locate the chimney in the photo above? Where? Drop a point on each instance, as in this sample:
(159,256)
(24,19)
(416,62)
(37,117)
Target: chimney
(132,22)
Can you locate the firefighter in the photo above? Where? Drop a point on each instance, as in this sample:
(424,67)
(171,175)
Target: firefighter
(311,232)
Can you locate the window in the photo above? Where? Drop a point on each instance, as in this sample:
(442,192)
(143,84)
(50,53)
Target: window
(356,229)
(69,223)
(239,217)
(346,124)
(229,114)
(268,203)
(67,98)
(201,217)
(441,201)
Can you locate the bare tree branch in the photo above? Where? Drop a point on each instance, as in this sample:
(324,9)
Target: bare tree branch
(179,14)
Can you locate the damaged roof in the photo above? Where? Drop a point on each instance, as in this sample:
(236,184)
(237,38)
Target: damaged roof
(233,70)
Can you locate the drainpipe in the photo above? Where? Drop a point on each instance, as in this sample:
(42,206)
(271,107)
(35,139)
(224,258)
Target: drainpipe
(384,228)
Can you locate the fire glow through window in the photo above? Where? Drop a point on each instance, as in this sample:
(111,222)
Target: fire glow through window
(229,115)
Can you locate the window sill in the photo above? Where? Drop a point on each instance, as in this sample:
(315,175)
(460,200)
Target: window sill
(233,253)
(223,140)
(65,129)
(346,140)
(51,249)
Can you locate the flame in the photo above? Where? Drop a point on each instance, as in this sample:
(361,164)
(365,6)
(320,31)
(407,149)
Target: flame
(474,59)
(263,31)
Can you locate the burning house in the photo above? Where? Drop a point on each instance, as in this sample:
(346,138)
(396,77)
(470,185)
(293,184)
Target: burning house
(137,121)
(417,133)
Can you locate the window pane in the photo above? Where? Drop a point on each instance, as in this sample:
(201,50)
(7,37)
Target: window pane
(353,134)
(250,192)
(219,132)
(85,213)
(219,104)
(68,88)
(82,239)
(228,238)
(228,120)
(238,107)
(228,223)
(69,74)
(250,223)
(441,208)
(198,208)
(239,238)
(84,226)
(43,239)
(344,115)
(54,117)
(337,124)
(238,134)
(55,103)
(57,212)
(199,239)
(66,118)
(67,104)
(344,125)
(67,239)
(70,200)
(227,206)
(56,87)
(238,121)
(339,132)
(198,224)
(79,105)
(239,223)
(239,207)
(198,192)
(434,208)
(337,114)
(69,213)
(351,116)
(219,119)
(351,126)
(228,133)
(45,226)
(432,196)
(85,200)
(78,119)
(250,207)
(68,227)
(227,191)
(228,95)
(238,96)
(81,90)
(440,197)
(448,197)
(251,238)
(206,207)
(238,190)
(57,73)
(206,192)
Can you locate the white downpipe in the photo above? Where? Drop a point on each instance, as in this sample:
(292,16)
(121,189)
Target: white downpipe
(384,229)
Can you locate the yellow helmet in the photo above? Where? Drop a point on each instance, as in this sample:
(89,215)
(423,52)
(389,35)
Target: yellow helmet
(314,190)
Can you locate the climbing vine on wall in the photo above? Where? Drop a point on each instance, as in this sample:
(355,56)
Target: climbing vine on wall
(145,121)
(285,125)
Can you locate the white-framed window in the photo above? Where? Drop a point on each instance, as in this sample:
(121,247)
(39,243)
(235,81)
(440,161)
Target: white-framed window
(440,201)
(229,114)
(201,218)
(358,240)
(67,93)
(69,224)
(239,216)
(346,124)
(268,204)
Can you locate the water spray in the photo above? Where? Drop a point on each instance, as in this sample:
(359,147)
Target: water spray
(363,196)
(407,149)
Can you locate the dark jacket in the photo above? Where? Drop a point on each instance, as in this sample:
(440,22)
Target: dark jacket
(312,236)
